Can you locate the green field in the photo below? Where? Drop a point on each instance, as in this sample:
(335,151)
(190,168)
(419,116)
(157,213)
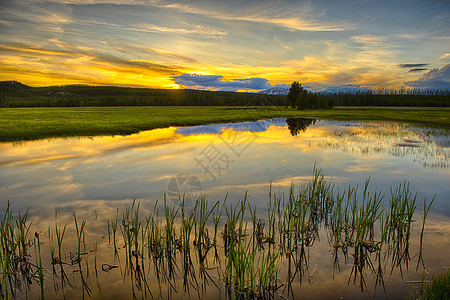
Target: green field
(35,123)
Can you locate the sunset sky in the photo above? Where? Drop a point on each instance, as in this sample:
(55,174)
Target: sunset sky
(226,45)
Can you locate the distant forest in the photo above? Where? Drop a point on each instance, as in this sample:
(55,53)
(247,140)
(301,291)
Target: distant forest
(16,94)
(392,98)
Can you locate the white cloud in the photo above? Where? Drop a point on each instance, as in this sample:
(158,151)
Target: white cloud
(291,16)
(434,79)
(43,13)
(446,55)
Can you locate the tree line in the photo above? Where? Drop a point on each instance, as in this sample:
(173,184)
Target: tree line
(15,94)
(300,98)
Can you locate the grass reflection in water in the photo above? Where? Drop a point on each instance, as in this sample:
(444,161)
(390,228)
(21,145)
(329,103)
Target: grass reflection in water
(183,249)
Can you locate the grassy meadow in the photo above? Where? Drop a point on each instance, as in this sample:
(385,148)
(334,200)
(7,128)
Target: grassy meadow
(35,123)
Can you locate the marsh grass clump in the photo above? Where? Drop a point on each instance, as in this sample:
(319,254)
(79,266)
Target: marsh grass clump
(76,259)
(202,214)
(40,270)
(18,271)
(426,210)
(402,207)
(59,239)
(437,288)
(250,271)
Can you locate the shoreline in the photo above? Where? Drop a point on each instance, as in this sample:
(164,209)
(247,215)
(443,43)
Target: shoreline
(22,124)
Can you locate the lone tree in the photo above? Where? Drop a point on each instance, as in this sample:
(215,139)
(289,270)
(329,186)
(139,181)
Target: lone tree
(294,91)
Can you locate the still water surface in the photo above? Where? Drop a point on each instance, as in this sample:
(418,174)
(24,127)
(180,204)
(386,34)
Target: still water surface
(92,176)
(231,158)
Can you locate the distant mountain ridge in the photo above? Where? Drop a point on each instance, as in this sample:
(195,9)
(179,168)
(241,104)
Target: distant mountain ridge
(348,88)
(343,88)
(275,91)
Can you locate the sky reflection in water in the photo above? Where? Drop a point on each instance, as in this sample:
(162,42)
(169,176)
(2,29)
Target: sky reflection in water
(225,158)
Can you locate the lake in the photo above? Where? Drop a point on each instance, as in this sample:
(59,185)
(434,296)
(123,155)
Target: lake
(97,178)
